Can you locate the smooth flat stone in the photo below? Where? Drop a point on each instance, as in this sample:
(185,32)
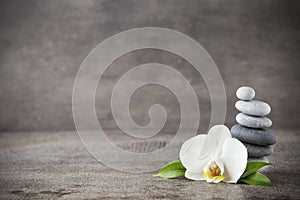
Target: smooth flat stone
(252,135)
(257,151)
(253,121)
(253,107)
(245,93)
(261,159)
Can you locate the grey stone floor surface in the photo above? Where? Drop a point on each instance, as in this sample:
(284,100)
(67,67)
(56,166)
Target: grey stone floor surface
(43,165)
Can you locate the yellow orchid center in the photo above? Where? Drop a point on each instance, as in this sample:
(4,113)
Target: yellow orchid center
(213,172)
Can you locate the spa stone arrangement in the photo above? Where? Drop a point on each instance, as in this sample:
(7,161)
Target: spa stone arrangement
(252,124)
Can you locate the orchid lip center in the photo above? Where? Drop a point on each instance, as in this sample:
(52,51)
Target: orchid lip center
(214,169)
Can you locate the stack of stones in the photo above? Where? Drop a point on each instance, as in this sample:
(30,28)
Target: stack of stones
(252,122)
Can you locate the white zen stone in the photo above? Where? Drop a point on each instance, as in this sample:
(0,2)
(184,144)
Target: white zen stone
(245,93)
(253,107)
(253,121)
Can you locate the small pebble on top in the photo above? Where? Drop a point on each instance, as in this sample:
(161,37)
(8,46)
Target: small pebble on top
(245,93)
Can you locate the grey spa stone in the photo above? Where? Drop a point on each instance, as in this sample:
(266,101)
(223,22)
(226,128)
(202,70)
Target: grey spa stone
(261,159)
(256,151)
(253,136)
(253,107)
(253,121)
(245,93)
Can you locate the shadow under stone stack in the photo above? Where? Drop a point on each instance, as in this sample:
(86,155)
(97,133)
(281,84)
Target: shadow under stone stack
(251,130)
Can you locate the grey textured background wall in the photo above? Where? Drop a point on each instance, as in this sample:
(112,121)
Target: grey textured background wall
(42,44)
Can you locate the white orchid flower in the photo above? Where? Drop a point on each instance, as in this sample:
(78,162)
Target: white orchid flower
(214,157)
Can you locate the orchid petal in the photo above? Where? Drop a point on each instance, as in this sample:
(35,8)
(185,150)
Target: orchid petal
(213,146)
(189,154)
(234,157)
(194,176)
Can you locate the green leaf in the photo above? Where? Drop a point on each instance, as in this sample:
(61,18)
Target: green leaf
(253,167)
(256,178)
(171,170)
